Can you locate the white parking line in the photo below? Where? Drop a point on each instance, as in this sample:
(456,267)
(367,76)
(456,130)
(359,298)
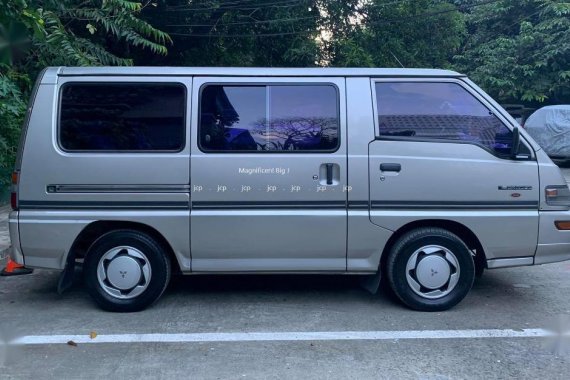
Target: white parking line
(283,336)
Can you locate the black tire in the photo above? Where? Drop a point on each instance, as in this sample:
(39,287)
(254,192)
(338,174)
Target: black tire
(158,261)
(403,250)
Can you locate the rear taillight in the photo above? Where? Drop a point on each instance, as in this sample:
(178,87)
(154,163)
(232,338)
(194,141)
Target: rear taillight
(14,194)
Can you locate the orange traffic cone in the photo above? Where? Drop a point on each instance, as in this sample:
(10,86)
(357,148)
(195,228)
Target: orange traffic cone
(15,269)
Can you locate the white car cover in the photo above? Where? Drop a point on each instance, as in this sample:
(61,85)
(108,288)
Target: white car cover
(550,127)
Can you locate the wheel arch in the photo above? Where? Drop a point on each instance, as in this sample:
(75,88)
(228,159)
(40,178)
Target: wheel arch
(94,230)
(462,231)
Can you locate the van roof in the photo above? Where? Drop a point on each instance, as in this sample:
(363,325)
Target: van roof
(251,71)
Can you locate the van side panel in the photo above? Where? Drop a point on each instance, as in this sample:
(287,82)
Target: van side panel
(62,192)
(47,236)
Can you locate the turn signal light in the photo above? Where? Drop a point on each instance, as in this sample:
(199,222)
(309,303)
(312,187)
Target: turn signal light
(562,224)
(557,195)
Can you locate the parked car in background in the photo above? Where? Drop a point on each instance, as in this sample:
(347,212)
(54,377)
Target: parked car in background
(550,127)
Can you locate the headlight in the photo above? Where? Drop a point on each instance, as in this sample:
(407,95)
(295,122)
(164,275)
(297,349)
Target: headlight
(558,195)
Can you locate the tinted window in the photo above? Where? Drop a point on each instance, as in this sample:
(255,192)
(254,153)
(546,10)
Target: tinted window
(122,117)
(269,118)
(438,111)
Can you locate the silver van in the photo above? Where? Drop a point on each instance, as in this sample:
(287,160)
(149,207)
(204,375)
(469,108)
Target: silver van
(413,174)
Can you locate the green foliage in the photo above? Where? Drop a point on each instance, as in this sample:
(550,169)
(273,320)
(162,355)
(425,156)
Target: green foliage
(79,33)
(12,110)
(409,33)
(350,53)
(240,33)
(519,50)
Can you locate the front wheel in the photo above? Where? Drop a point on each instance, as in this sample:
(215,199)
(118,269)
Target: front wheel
(430,269)
(126,271)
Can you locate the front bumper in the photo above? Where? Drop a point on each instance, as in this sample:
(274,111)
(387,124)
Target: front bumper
(553,244)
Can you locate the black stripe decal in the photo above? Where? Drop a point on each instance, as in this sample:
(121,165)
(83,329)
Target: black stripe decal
(217,205)
(269,205)
(363,205)
(82,205)
(358,205)
(454,205)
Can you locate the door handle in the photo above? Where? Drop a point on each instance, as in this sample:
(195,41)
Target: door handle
(390,167)
(329,174)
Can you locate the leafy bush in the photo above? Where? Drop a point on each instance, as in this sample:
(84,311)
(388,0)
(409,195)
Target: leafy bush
(12,111)
(519,50)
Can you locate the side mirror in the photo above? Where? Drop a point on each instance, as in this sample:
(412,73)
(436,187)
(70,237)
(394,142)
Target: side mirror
(516,143)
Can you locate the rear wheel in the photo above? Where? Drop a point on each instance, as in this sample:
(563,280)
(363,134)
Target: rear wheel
(430,269)
(126,271)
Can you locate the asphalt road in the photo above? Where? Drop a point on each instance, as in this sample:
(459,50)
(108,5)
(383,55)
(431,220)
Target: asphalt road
(289,311)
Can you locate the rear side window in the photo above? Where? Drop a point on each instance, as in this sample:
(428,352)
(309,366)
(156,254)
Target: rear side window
(443,111)
(117,117)
(269,118)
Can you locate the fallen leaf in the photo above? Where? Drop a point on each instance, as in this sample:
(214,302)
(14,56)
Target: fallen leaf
(72,343)
(92,335)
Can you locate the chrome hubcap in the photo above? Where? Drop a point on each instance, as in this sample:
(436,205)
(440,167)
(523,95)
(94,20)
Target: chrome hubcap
(124,272)
(432,271)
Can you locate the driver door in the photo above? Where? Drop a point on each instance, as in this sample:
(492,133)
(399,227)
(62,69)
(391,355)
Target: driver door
(441,152)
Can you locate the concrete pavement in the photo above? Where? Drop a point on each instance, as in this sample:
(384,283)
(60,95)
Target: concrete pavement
(510,300)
